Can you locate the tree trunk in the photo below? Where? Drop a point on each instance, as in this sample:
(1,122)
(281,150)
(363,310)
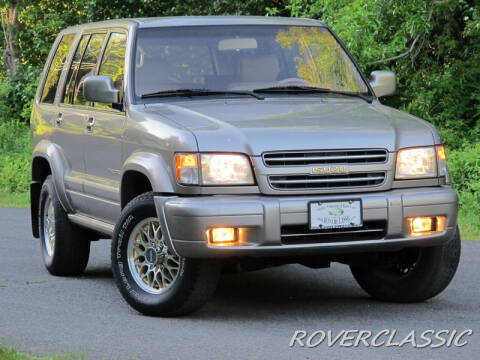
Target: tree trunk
(10,27)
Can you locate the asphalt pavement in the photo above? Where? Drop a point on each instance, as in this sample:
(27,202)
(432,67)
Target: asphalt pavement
(251,316)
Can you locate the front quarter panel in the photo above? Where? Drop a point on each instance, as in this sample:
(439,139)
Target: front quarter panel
(150,142)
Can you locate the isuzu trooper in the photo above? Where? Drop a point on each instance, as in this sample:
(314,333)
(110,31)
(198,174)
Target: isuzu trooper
(209,144)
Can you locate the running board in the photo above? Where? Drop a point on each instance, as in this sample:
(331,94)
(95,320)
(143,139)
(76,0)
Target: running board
(93,224)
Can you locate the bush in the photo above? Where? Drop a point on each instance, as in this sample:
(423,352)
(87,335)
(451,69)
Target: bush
(15,173)
(14,137)
(14,157)
(17,94)
(464,167)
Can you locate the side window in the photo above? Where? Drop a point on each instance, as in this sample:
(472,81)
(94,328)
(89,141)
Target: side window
(56,67)
(113,62)
(73,71)
(87,66)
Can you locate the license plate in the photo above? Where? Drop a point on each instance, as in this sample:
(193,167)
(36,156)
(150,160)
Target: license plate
(335,214)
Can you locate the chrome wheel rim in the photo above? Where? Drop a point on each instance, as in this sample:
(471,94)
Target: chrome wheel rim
(49,226)
(153,267)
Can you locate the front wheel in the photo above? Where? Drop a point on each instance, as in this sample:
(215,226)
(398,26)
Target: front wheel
(411,275)
(150,277)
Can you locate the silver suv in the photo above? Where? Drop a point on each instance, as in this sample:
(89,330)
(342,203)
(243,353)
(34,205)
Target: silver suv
(209,144)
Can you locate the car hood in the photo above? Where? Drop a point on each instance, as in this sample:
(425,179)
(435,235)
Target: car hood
(254,126)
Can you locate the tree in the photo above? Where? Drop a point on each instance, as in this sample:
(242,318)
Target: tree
(9,19)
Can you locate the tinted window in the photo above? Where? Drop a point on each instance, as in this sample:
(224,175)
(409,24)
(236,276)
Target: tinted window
(87,66)
(56,67)
(113,62)
(72,73)
(242,58)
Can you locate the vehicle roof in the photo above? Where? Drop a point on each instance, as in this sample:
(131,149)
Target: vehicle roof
(198,21)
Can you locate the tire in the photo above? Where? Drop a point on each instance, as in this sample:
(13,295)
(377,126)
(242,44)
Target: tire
(152,279)
(432,271)
(68,251)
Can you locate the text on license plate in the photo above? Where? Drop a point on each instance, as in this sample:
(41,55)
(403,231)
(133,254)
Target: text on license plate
(335,214)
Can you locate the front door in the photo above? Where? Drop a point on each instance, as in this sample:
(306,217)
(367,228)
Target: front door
(103,143)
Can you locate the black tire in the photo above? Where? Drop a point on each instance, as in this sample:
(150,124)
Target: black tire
(195,282)
(69,255)
(433,269)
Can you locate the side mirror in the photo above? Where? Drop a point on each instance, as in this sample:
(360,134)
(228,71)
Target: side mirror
(383,83)
(100,89)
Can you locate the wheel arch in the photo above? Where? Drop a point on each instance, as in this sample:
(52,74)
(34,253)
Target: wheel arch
(47,159)
(143,172)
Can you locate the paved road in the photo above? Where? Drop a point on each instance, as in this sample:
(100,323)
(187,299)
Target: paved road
(252,315)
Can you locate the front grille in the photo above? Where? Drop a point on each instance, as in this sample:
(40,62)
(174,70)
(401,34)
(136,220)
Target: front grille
(299,158)
(301,234)
(301,182)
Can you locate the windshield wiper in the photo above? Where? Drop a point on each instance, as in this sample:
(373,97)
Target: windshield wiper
(198,92)
(311,90)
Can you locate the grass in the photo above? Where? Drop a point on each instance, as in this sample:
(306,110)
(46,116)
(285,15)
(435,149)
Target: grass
(8,353)
(467,220)
(468,224)
(15,200)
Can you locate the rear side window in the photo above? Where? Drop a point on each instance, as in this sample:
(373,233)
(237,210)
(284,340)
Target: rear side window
(113,62)
(56,67)
(87,66)
(72,73)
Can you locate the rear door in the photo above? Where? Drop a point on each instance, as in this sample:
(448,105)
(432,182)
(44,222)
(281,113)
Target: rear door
(51,122)
(74,113)
(103,143)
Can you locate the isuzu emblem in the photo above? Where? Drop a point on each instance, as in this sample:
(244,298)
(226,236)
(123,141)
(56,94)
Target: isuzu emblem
(329,170)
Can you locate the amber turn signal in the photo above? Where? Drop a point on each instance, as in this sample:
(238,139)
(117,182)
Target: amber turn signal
(425,225)
(186,167)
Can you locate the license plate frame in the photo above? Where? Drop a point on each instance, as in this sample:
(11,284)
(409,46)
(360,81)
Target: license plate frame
(352,225)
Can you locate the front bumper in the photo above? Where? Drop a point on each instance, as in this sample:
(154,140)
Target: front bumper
(186,219)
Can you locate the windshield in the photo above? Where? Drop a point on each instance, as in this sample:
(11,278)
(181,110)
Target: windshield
(241,58)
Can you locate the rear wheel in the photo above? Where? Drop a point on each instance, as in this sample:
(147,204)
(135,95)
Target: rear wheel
(65,247)
(412,275)
(150,277)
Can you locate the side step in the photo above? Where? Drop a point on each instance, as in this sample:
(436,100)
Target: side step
(93,224)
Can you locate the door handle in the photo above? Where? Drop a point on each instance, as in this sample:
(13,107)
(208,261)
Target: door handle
(90,124)
(59,119)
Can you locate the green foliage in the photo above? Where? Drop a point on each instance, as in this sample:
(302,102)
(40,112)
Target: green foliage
(16,95)
(8,353)
(14,138)
(14,157)
(15,200)
(464,167)
(15,173)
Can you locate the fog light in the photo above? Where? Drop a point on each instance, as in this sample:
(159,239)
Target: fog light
(222,236)
(425,225)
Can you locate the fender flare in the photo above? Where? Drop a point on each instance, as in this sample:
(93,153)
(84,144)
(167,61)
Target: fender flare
(59,167)
(153,166)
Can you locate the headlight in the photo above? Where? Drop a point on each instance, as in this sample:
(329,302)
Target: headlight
(216,169)
(223,169)
(416,163)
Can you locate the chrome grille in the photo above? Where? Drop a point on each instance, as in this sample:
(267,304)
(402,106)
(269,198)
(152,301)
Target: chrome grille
(299,158)
(301,234)
(300,182)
